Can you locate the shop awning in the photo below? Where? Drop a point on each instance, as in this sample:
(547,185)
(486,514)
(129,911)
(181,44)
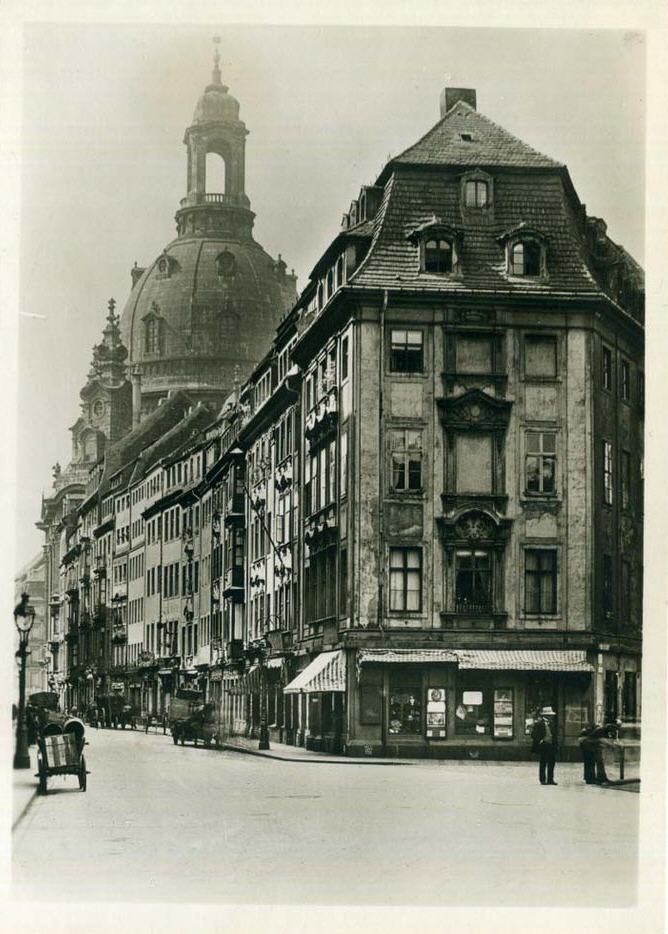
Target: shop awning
(406,655)
(248,683)
(524,660)
(327,672)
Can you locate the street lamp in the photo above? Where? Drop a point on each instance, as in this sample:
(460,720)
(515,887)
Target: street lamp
(24,617)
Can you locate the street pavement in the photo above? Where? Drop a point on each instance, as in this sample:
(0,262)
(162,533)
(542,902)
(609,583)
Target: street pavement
(164,822)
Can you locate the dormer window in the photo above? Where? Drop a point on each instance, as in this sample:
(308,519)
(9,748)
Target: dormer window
(153,331)
(166,265)
(437,256)
(439,245)
(525,258)
(525,252)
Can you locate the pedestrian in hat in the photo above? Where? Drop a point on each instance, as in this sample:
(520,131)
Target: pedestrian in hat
(544,742)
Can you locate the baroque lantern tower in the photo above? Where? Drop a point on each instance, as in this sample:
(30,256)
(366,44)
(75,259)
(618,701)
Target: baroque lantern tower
(207,305)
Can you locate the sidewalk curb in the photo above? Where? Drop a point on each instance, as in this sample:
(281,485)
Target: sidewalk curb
(24,810)
(261,754)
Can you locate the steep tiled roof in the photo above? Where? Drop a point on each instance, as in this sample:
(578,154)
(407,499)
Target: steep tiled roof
(173,441)
(538,199)
(489,144)
(124,453)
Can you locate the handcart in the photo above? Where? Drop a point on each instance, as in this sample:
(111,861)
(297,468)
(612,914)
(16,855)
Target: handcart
(60,751)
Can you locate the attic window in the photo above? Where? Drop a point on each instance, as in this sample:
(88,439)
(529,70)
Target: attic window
(165,267)
(226,264)
(466,137)
(438,256)
(525,258)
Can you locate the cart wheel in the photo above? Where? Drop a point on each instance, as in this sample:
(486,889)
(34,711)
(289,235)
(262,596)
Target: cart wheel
(82,773)
(42,776)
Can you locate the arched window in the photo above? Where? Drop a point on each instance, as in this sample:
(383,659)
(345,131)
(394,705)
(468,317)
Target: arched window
(215,174)
(339,272)
(525,258)
(320,296)
(438,256)
(330,283)
(152,336)
(226,263)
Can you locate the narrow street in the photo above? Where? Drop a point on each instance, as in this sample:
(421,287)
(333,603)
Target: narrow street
(167,822)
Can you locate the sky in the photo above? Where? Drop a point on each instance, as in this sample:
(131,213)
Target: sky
(103,163)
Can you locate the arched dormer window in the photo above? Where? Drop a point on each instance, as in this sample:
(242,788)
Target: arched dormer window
(330,282)
(525,252)
(438,256)
(439,247)
(320,296)
(339,272)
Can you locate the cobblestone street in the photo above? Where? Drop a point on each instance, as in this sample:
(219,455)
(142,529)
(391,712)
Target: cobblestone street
(168,822)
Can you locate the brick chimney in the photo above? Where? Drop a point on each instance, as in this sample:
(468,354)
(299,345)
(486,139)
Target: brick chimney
(452,96)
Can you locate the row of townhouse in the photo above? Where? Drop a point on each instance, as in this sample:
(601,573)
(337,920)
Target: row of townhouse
(420,518)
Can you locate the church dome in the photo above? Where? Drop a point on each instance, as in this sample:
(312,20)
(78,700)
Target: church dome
(202,313)
(216,105)
(205,310)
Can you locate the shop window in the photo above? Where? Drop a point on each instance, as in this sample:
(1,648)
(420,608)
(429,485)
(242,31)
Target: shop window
(473,706)
(606,368)
(540,691)
(630,696)
(473,581)
(405,706)
(540,580)
(476,194)
(541,461)
(406,355)
(473,354)
(474,463)
(438,256)
(610,700)
(608,478)
(406,580)
(525,258)
(406,460)
(540,356)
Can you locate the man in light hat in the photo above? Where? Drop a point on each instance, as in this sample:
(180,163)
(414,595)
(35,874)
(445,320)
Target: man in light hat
(544,742)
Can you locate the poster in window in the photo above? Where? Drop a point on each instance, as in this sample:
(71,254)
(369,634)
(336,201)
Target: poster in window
(503,713)
(436,726)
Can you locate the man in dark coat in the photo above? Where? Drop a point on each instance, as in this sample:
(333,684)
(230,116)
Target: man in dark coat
(587,745)
(544,742)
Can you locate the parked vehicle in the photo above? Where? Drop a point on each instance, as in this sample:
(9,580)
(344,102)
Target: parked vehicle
(117,711)
(193,720)
(60,747)
(42,708)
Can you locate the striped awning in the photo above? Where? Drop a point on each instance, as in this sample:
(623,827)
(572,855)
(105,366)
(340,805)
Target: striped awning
(524,659)
(327,672)
(248,683)
(406,655)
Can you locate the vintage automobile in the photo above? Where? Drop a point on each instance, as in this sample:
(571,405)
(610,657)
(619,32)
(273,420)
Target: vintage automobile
(193,720)
(60,745)
(41,709)
(117,711)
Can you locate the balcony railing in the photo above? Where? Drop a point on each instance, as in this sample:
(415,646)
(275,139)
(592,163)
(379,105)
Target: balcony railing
(473,606)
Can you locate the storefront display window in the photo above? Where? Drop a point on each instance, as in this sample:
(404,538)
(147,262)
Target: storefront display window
(405,711)
(473,708)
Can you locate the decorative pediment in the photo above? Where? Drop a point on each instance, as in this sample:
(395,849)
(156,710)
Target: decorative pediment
(472,527)
(475,410)
(153,313)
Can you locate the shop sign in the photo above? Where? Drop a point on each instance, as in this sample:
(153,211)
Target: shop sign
(117,686)
(436,723)
(216,675)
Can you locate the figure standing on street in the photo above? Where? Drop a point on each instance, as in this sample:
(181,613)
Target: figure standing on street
(544,742)
(602,737)
(588,747)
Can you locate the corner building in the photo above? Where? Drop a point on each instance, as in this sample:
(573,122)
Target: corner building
(471,345)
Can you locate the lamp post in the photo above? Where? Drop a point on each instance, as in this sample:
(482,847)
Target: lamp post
(24,617)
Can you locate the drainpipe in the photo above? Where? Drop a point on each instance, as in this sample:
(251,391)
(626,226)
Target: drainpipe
(381,465)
